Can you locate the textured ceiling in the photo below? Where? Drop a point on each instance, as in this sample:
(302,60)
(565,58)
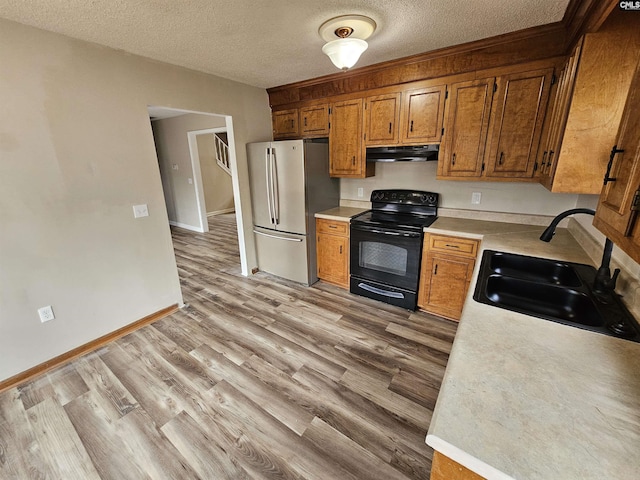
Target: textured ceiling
(270,43)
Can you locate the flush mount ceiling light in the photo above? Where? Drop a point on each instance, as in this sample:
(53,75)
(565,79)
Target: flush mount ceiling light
(345,37)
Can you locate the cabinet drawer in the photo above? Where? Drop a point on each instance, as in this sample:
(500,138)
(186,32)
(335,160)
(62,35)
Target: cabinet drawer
(332,227)
(455,245)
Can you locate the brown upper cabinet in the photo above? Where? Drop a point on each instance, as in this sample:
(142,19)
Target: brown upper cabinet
(314,121)
(422,115)
(466,126)
(346,148)
(381,113)
(285,124)
(411,117)
(493,126)
(517,119)
(587,110)
(619,203)
(556,119)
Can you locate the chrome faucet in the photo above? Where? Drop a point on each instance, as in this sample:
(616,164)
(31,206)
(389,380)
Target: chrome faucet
(604,283)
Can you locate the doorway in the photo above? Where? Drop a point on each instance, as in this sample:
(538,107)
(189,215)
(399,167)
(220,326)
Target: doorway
(212,173)
(175,134)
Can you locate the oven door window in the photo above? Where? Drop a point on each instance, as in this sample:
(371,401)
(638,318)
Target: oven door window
(383,257)
(387,259)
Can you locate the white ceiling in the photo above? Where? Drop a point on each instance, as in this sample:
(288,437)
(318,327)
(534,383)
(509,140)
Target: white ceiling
(275,42)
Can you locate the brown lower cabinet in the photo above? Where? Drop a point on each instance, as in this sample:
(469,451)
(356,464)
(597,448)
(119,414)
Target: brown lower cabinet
(443,468)
(446,270)
(332,248)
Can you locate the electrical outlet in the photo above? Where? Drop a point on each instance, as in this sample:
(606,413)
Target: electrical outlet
(475,198)
(360,192)
(174,166)
(46,313)
(140,211)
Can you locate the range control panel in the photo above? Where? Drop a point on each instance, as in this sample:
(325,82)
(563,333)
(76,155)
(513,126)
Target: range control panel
(406,197)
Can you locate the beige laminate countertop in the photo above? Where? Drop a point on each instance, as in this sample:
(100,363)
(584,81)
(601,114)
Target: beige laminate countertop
(340,214)
(527,398)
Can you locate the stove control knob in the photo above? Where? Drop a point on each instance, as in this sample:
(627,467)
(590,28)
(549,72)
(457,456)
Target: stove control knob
(394,196)
(424,197)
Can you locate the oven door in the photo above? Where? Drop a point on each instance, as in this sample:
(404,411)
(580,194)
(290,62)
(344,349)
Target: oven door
(386,256)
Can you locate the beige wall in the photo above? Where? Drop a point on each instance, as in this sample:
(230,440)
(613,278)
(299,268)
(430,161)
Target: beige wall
(529,198)
(76,152)
(173,149)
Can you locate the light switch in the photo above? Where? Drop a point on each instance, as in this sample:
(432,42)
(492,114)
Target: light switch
(191,181)
(475,198)
(360,192)
(140,211)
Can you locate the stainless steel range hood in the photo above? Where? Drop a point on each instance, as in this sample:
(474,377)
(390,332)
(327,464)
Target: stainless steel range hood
(421,153)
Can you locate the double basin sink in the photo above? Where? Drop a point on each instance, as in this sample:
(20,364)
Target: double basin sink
(553,290)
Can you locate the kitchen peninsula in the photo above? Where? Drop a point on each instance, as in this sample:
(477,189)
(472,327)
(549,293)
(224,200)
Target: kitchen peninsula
(528,398)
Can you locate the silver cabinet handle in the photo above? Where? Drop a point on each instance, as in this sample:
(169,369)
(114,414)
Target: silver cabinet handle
(276,236)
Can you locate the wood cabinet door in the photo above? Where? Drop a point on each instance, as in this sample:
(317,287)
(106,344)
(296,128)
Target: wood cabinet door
(333,259)
(314,121)
(345,139)
(285,124)
(466,126)
(614,216)
(557,119)
(422,115)
(445,283)
(443,468)
(517,116)
(381,119)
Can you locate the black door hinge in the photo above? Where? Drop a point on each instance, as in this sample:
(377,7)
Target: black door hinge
(442,133)
(329,110)
(446,94)
(482,170)
(495,87)
(535,167)
(553,79)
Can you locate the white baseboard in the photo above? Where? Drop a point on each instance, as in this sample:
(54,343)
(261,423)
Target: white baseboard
(185,226)
(221,212)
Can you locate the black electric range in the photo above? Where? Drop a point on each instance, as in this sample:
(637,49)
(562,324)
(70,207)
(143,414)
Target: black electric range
(386,245)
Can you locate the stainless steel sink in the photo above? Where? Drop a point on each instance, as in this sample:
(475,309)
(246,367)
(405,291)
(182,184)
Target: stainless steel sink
(552,290)
(534,269)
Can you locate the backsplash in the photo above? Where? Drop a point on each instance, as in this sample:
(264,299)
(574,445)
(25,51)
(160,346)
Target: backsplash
(519,197)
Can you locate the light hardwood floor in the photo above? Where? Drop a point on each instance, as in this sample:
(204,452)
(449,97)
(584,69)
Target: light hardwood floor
(258,378)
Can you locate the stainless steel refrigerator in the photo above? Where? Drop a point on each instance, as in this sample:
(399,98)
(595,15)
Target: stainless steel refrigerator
(289,183)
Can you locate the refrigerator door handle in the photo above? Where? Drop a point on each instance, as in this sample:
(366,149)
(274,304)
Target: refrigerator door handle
(276,236)
(274,187)
(268,178)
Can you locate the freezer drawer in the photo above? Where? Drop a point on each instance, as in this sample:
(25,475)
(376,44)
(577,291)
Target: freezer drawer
(282,254)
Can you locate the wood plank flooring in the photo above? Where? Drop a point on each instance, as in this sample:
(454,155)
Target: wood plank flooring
(257,378)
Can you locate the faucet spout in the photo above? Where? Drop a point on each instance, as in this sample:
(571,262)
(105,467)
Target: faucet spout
(604,283)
